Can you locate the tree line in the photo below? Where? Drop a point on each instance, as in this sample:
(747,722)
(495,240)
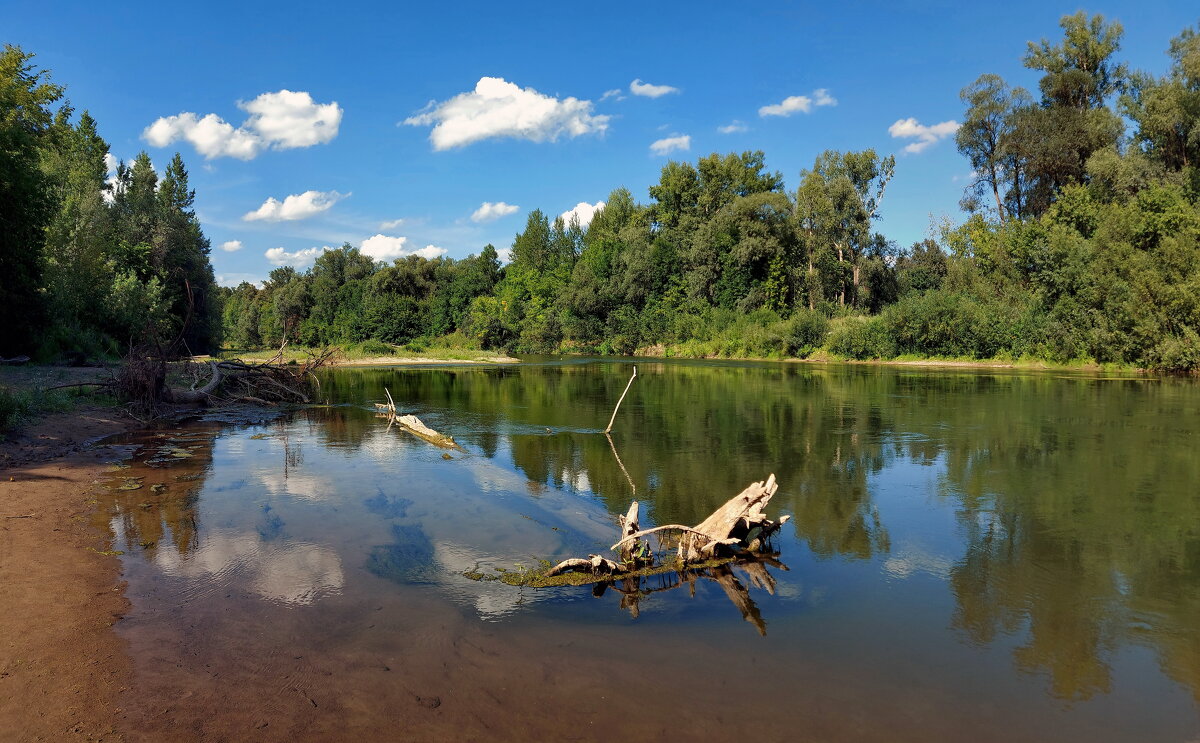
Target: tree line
(1082,243)
(91,264)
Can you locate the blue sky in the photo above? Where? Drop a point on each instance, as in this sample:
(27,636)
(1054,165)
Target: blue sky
(486,90)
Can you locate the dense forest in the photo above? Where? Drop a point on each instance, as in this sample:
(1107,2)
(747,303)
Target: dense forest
(88,263)
(1082,243)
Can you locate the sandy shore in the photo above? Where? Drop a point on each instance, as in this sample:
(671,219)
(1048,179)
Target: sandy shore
(61,664)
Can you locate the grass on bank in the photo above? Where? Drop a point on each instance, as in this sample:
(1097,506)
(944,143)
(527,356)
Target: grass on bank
(453,347)
(24,397)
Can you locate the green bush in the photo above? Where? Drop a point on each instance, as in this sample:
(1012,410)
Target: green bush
(376,348)
(862,338)
(17,405)
(804,332)
(1177,354)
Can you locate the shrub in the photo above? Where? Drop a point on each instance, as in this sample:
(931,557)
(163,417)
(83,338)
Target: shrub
(862,338)
(804,332)
(376,348)
(1177,354)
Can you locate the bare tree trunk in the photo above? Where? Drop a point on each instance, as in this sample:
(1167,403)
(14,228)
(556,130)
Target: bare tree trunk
(842,294)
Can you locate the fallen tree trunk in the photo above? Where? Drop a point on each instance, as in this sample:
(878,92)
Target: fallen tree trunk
(196,396)
(414,426)
(740,523)
(733,520)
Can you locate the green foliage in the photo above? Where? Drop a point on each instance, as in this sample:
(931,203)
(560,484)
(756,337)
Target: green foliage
(17,405)
(90,267)
(26,200)
(862,338)
(1082,243)
(805,332)
(13,408)
(374,348)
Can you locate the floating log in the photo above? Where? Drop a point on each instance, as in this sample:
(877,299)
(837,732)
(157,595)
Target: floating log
(414,426)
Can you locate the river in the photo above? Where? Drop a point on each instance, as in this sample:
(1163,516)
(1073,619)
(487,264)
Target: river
(973,554)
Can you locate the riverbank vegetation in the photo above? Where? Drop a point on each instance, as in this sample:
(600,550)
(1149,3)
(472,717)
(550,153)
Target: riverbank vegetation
(91,264)
(1081,245)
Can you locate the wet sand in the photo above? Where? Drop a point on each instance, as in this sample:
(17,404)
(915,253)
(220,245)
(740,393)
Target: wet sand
(62,666)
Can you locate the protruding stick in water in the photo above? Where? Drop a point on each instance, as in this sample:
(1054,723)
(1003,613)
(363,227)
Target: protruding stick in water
(626,392)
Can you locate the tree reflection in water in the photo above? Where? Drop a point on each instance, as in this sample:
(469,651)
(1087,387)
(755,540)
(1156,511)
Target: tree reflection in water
(1074,499)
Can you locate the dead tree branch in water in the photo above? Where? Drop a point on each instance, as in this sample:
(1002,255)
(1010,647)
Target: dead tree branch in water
(740,524)
(621,400)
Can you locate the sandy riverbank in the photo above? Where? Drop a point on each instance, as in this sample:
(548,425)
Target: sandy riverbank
(61,664)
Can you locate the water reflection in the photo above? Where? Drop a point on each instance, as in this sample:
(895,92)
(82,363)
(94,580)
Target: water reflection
(292,573)
(634,591)
(1060,516)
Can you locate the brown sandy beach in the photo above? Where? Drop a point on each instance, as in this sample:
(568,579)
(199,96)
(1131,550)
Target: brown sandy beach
(62,666)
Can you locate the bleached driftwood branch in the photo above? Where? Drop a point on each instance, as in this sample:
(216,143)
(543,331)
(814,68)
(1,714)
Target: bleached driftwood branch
(740,522)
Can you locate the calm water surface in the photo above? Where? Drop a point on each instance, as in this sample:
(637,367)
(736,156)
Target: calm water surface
(973,554)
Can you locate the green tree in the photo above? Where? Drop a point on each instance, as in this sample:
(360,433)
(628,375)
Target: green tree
(841,197)
(26,202)
(984,136)
(1167,109)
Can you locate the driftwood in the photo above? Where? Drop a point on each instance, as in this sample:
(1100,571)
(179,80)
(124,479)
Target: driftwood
(413,424)
(621,400)
(141,381)
(595,564)
(740,523)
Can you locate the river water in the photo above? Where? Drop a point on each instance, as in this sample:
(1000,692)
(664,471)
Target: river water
(983,555)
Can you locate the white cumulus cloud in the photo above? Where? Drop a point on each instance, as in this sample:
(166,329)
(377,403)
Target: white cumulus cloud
(280,120)
(489,212)
(910,128)
(430,252)
(388,248)
(498,108)
(296,206)
(637,87)
(290,119)
(799,104)
(231,246)
(733,127)
(674,143)
(583,212)
(298,259)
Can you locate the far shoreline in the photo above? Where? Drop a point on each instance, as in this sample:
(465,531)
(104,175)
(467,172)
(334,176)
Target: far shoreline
(457,357)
